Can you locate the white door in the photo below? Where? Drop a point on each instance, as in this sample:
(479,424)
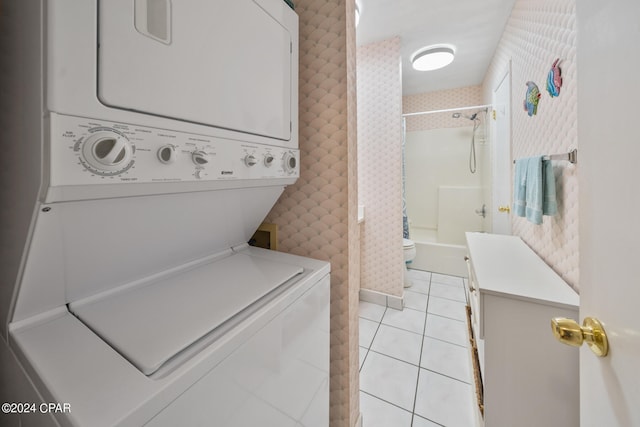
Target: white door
(608,164)
(501,156)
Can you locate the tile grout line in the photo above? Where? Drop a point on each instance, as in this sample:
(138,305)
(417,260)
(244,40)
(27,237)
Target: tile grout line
(451,285)
(445,317)
(415,400)
(401,329)
(445,341)
(372,339)
(424,331)
(445,375)
(383,400)
(407,308)
(431,421)
(450,299)
(395,358)
(428,296)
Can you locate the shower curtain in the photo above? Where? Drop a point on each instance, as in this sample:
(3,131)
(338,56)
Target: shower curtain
(405,219)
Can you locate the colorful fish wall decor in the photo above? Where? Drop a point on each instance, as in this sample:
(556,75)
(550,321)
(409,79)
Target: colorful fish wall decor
(554,79)
(531,99)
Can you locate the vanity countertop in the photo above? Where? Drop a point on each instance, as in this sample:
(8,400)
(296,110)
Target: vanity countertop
(506,266)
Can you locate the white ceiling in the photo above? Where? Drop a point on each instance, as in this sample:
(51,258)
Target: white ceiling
(474,27)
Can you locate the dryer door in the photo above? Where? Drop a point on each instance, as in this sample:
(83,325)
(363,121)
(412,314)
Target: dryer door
(226,64)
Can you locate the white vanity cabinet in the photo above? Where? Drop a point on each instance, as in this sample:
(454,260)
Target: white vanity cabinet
(524,377)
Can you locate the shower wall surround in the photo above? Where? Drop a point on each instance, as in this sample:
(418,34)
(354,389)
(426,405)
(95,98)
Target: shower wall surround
(438,163)
(317,216)
(538,32)
(380,165)
(425,134)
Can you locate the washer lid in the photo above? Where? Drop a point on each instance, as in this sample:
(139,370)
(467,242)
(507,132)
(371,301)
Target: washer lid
(150,324)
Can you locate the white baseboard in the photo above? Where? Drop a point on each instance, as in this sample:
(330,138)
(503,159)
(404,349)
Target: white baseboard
(382,299)
(358,421)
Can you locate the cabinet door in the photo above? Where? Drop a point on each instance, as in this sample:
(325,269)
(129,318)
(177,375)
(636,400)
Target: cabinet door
(529,379)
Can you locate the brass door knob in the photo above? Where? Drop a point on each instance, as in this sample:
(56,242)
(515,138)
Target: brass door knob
(506,209)
(569,332)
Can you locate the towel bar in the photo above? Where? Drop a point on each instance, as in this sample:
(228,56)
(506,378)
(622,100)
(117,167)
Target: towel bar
(571,156)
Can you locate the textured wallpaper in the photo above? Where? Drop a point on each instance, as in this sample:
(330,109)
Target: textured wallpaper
(317,216)
(538,32)
(380,165)
(440,100)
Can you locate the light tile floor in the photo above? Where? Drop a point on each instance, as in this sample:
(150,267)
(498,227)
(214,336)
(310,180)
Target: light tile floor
(414,363)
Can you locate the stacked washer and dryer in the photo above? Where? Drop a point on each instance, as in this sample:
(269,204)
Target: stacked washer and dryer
(146,140)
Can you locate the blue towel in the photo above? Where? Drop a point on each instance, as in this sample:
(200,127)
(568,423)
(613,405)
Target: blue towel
(534,189)
(520,188)
(549,202)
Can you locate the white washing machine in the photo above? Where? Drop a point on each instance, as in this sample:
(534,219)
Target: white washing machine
(146,140)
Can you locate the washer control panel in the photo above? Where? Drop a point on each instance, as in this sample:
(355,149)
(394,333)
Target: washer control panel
(86,151)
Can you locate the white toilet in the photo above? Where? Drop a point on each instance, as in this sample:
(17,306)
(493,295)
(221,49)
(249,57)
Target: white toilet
(409,254)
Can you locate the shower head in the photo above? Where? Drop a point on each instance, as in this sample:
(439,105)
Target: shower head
(458,115)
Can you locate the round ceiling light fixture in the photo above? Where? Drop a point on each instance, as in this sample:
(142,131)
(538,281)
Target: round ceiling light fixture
(432,57)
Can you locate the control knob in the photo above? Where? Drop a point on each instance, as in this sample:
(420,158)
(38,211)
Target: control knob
(107,151)
(268,160)
(289,162)
(250,160)
(200,158)
(167,154)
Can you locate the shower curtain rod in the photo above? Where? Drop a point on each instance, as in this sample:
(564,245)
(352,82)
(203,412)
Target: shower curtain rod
(446,111)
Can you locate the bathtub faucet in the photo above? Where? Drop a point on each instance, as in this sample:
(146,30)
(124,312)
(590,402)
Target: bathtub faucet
(482,212)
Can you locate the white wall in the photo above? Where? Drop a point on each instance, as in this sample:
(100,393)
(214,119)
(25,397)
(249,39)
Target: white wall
(435,158)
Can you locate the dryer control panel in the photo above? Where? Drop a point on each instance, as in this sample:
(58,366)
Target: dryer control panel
(87,151)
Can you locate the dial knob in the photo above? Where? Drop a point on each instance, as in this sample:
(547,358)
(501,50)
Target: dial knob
(107,151)
(200,158)
(250,160)
(268,160)
(289,162)
(167,154)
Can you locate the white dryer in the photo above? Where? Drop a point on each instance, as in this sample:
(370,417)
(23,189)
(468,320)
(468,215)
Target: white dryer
(149,140)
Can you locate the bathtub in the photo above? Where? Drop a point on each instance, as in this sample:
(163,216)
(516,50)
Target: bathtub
(442,249)
(438,257)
